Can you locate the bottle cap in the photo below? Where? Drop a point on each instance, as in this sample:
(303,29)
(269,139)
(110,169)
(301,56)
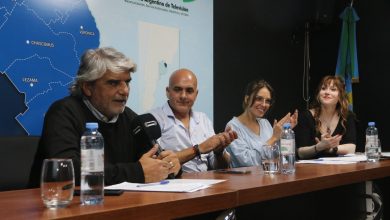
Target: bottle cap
(371,123)
(286,125)
(91,125)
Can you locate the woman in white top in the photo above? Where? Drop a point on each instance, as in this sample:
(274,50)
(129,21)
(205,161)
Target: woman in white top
(253,130)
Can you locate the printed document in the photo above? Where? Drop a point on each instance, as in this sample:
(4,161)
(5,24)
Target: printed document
(174,185)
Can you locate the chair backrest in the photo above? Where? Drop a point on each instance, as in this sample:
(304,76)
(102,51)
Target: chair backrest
(16,158)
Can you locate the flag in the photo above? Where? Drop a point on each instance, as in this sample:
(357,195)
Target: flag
(347,64)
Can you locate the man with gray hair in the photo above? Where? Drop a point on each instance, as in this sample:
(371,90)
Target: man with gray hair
(99,94)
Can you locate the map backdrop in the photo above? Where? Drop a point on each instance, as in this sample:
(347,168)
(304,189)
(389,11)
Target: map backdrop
(41,42)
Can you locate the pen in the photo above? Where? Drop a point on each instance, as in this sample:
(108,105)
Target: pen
(68,186)
(233,171)
(162,182)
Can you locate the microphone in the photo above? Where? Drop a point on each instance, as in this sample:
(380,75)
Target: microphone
(146,131)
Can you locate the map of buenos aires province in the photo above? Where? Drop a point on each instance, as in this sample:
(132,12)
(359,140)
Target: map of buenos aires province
(41,44)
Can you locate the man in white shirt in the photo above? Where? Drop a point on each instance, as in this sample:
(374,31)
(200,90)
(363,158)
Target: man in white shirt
(189,133)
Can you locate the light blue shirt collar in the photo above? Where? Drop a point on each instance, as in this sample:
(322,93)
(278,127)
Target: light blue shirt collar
(168,111)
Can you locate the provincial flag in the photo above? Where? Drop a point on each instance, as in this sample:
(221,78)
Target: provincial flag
(347,63)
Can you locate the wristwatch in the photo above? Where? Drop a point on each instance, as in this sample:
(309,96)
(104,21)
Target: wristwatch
(196,151)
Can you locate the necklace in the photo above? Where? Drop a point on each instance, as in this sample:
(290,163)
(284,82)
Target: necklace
(328,130)
(328,124)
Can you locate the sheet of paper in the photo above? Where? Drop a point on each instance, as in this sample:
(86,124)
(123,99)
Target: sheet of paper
(346,159)
(175,185)
(385,154)
(324,162)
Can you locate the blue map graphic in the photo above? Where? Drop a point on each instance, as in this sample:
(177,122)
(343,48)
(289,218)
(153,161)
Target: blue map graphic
(41,44)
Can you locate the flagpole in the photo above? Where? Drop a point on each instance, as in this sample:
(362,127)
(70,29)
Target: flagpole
(306,66)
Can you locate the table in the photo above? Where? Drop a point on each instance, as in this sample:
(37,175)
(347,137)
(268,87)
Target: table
(258,187)
(239,190)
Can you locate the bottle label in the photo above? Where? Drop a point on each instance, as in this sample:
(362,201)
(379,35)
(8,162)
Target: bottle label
(287,146)
(372,140)
(92,160)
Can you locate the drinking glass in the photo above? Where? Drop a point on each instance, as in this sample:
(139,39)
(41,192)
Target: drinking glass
(271,162)
(57,182)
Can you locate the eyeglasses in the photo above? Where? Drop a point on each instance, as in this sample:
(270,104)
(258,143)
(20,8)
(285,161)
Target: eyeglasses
(263,100)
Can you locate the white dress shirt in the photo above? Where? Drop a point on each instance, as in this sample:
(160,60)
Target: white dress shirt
(175,136)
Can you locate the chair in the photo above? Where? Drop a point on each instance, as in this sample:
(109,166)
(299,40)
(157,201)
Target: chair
(16,158)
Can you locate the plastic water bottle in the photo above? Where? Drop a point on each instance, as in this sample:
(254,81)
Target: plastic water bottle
(287,148)
(92,166)
(372,147)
